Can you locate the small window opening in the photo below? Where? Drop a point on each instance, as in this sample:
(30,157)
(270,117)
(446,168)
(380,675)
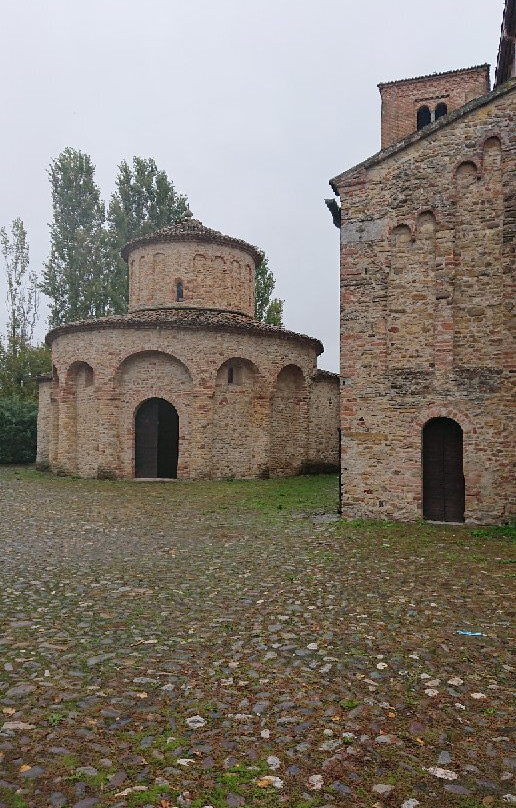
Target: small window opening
(424,117)
(179,292)
(231,375)
(440,110)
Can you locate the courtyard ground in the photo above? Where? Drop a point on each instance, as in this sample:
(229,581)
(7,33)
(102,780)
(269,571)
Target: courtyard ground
(233,644)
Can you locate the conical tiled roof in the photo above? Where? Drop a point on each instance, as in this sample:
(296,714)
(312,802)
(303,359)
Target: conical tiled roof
(187,317)
(189,229)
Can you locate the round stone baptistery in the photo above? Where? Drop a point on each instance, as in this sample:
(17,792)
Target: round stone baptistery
(188,383)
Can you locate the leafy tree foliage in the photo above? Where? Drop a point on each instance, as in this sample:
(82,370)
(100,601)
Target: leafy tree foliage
(75,276)
(145,200)
(20,361)
(85,275)
(267,310)
(22,287)
(274,313)
(17,430)
(19,369)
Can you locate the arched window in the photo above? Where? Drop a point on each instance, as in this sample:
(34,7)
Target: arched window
(423,117)
(179,291)
(440,110)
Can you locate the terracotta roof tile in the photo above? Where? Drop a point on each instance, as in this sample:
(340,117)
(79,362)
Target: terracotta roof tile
(435,75)
(183,317)
(189,229)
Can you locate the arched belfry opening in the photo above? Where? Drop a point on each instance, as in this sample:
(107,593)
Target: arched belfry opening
(443,475)
(424,117)
(156,439)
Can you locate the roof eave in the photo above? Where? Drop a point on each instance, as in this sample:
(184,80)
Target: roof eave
(486,67)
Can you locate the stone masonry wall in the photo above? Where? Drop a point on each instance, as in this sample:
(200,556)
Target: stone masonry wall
(226,429)
(323,443)
(402,99)
(212,275)
(44,424)
(427,274)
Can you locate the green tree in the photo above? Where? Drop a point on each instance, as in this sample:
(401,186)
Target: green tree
(145,200)
(75,276)
(22,287)
(267,309)
(18,425)
(18,370)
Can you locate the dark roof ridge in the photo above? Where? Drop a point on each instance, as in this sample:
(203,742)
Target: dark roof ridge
(181,307)
(421,134)
(320,374)
(190,229)
(193,318)
(435,75)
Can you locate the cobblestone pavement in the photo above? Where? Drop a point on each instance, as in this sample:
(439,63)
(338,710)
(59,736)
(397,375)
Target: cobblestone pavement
(233,644)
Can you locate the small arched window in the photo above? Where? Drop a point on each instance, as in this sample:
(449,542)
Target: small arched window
(424,117)
(179,291)
(440,110)
(231,375)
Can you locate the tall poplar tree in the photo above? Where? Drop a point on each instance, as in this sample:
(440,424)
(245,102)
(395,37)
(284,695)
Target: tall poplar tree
(145,200)
(20,361)
(75,276)
(267,309)
(22,287)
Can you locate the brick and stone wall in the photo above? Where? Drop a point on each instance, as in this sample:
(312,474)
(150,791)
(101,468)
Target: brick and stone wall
(323,445)
(242,390)
(44,423)
(427,273)
(212,276)
(259,424)
(402,99)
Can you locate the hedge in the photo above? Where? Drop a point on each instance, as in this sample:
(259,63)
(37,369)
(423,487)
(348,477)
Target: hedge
(17,430)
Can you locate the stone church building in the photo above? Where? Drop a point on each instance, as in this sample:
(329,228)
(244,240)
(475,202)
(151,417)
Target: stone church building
(427,231)
(188,384)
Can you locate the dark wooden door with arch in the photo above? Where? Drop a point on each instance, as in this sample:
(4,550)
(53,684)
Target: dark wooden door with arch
(156,437)
(443,475)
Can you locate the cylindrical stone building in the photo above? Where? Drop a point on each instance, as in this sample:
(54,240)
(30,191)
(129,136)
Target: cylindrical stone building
(188,384)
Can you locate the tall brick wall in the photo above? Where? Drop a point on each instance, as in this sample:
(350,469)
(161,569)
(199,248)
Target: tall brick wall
(402,99)
(323,443)
(212,276)
(258,424)
(427,292)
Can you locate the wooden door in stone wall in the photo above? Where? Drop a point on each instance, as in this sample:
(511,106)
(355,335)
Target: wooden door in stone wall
(156,434)
(443,476)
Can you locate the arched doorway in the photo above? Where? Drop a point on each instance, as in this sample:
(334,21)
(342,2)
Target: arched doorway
(443,476)
(156,439)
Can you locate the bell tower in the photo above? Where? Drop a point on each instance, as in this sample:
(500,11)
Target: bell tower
(411,104)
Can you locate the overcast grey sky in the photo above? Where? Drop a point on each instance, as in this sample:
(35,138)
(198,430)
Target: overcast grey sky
(249,107)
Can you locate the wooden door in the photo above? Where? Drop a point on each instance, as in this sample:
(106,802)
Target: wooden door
(146,439)
(443,476)
(168,439)
(156,439)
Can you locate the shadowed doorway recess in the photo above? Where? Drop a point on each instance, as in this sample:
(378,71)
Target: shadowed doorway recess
(443,476)
(156,432)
